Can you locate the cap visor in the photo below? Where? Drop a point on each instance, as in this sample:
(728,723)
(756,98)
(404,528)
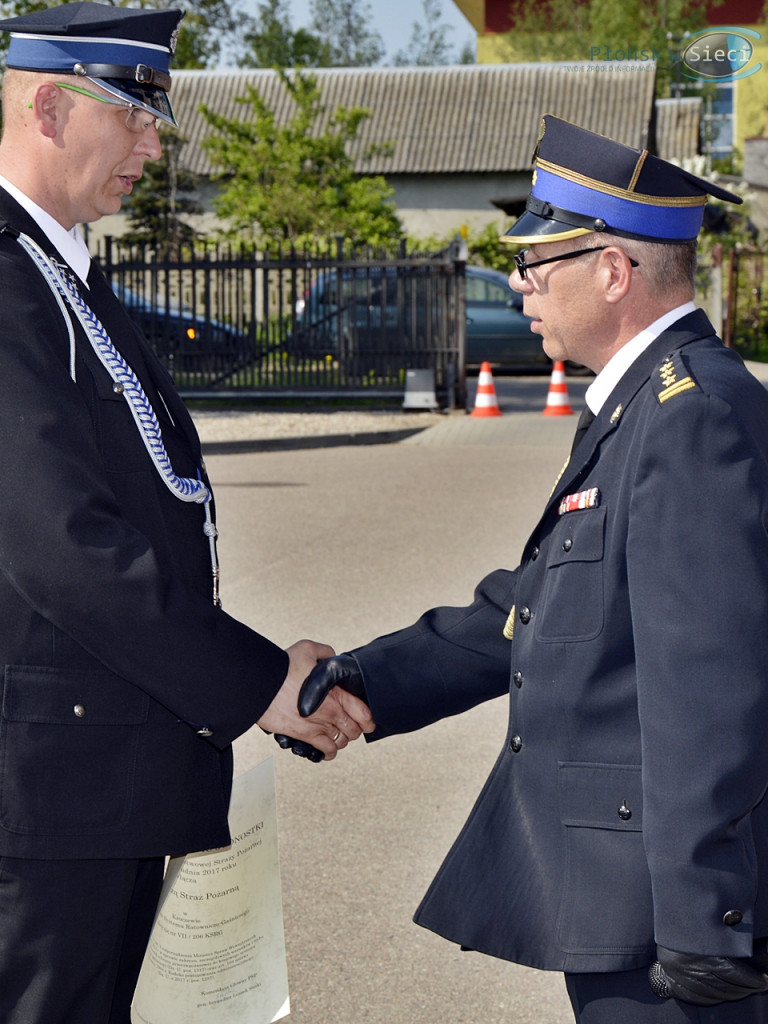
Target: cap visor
(530,228)
(149,98)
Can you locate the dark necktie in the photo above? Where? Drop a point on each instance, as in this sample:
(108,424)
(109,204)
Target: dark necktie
(583,426)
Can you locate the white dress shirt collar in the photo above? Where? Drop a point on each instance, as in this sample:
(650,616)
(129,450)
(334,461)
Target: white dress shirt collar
(604,383)
(70,244)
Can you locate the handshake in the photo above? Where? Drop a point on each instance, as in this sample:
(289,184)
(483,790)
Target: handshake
(320,707)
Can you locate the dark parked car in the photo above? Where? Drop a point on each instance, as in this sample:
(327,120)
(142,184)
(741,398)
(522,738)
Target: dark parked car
(364,305)
(497,329)
(175,331)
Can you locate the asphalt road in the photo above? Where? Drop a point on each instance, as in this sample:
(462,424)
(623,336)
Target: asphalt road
(343,544)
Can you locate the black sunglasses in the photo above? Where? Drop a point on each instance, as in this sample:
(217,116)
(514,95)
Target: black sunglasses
(523,266)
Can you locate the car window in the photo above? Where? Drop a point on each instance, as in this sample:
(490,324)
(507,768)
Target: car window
(497,292)
(479,289)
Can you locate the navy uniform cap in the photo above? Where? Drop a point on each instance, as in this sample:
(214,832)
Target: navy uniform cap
(125,51)
(584,182)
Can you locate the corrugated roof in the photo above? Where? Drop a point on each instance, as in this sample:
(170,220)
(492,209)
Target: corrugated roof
(677,127)
(479,118)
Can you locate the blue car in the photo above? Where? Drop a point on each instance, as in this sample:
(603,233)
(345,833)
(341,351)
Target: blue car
(364,303)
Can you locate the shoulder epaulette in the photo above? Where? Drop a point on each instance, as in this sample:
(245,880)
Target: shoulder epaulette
(671,378)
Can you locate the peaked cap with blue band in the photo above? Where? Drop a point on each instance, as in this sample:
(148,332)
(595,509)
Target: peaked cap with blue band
(583,182)
(125,51)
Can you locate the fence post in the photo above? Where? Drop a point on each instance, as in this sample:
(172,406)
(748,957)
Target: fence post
(715,304)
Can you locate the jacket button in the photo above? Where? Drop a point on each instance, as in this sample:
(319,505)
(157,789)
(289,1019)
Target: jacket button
(525,615)
(205,731)
(624,812)
(118,388)
(732,917)
(79,710)
(534,554)
(516,744)
(517,679)
(568,544)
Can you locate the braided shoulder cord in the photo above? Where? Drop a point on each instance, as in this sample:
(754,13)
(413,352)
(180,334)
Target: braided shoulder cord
(121,373)
(126,383)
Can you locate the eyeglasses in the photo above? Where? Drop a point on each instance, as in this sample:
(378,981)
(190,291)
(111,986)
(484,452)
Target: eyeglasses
(137,119)
(523,266)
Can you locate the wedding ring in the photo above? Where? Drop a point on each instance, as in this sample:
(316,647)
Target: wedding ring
(338,733)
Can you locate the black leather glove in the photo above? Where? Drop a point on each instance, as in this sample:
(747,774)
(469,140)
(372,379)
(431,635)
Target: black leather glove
(299,747)
(341,670)
(706,980)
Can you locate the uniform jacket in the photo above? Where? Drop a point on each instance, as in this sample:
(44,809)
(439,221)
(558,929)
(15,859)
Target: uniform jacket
(123,685)
(627,806)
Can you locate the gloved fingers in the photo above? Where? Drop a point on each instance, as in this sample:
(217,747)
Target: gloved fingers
(341,670)
(705,980)
(299,747)
(302,749)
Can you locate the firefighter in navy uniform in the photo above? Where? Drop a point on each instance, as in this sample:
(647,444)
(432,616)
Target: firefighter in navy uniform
(625,823)
(124,682)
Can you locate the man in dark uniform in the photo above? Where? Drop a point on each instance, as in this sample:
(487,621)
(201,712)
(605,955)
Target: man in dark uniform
(625,823)
(124,682)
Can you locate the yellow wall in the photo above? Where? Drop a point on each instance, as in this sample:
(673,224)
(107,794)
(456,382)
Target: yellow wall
(752,95)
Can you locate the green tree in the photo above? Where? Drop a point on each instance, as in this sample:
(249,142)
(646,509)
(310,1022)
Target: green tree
(343,26)
(599,29)
(293,182)
(162,199)
(428,45)
(270,41)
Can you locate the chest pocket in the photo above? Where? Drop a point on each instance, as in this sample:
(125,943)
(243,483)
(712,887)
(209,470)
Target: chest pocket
(573,599)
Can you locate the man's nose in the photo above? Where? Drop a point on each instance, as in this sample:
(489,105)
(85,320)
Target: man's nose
(518,283)
(149,143)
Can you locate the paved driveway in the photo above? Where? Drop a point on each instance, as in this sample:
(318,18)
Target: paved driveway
(342,544)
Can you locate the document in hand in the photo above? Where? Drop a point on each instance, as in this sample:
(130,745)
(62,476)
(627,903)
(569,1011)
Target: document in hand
(217,950)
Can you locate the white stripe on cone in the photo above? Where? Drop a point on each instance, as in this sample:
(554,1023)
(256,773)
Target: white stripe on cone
(486,403)
(558,403)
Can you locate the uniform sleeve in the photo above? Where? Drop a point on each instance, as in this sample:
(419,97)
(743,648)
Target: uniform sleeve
(450,660)
(697,559)
(75,561)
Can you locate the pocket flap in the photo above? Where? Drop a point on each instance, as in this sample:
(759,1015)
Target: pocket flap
(578,537)
(601,795)
(64,697)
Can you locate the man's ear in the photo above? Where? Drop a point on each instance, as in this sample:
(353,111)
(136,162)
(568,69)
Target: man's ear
(619,270)
(45,105)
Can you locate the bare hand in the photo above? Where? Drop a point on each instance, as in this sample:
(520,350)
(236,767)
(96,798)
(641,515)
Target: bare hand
(340,719)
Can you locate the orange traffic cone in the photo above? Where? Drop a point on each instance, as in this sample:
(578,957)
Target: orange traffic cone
(486,403)
(557,398)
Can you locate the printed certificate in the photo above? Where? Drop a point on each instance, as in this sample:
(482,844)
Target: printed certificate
(217,950)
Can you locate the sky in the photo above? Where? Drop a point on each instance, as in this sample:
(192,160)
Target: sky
(393,20)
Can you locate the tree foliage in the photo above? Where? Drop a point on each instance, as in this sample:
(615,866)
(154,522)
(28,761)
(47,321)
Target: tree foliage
(271,42)
(428,45)
(605,30)
(287,182)
(163,199)
(343,26)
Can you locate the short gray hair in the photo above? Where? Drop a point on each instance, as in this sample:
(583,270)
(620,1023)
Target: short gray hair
(669,268)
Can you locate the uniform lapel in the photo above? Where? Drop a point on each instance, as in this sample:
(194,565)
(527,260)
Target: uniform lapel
(689,328)
(165,399)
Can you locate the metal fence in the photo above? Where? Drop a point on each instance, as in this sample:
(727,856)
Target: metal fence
(746,327)
(240,322)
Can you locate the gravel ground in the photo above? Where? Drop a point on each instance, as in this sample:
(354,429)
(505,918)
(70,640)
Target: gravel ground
(249,425)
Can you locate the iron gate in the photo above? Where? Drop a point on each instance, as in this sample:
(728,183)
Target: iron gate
(244,322)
